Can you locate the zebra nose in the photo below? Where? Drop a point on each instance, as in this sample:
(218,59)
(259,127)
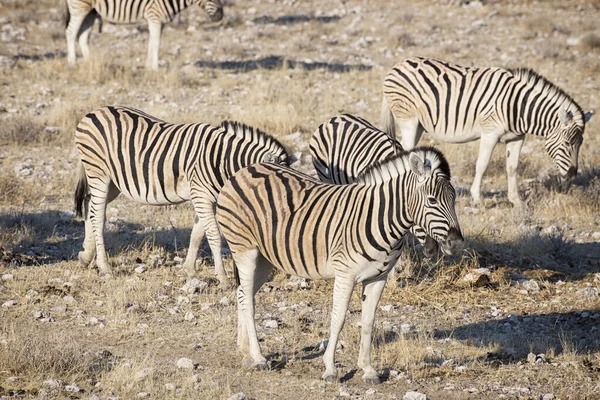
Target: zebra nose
(454,235)
(571,172)
(454,242)
(216,17)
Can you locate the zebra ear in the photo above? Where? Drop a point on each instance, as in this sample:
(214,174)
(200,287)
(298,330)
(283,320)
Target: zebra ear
(587,116)
(417,166)
(565,116)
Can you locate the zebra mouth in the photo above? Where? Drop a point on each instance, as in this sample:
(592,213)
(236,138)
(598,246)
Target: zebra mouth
(453,244)
(216,17)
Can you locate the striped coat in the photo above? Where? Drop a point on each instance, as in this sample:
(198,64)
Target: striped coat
(460,104)
(150,161)
(274,216)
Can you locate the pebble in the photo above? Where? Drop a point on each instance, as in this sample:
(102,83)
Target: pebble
(7,277)
(189,316)
(407,328)
(387,308)
(548,396)
(414,395)
(9,304)
(238,396)
(52,383)
(344,392)
(271,324)
(140,269)
(185,363)
(73,388)
(194,285)
(531,286)
(170,386)
(225,301)
(142,395)
(588,293)
(371,392)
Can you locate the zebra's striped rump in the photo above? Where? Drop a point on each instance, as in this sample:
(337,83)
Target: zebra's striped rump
(460,104)
(274,216)
(124,150)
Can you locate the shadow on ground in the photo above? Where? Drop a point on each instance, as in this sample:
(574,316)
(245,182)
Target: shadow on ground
(294,19)
(279,62)
(555,333)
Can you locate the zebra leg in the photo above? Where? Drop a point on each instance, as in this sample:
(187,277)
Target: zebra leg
(84,35)
(155,29)
(411,131)
(75,20)
(195,241)
(86,256)
(247,264)
(513,149)
(100,197)
(214,241)
(371,293)
(486,147)
(263,271)
(342,290)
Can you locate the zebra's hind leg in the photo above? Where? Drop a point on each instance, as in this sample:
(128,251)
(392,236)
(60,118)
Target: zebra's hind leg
(371,293)
(252,275)
(342,291)
(195,241)
(155,28)
(86,256)
(101,195)
(263,271)
(76,18)
(410,131)
(513,150)
(84,34)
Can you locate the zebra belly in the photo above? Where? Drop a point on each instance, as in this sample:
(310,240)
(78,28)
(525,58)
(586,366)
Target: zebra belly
(157,195)
(454,137)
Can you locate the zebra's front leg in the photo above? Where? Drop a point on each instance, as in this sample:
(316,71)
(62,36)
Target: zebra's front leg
(214,241)
(513,150)
(100,196)
(371,293)
(486,147)
(195,241)
(84,35)
(155,29)
(342,290)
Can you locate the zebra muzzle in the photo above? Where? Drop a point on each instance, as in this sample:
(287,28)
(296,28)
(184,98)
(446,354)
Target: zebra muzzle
(567,180)
(454,242)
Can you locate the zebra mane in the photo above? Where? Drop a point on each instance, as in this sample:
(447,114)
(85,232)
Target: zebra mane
(252,134)
(530,75)
(396,164)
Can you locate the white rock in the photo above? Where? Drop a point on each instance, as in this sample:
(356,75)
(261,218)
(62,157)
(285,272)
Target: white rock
(370,392)
(271,324)
(194,286)
(573,41)
(9,304)
(387,308)
(548,396)
(588,293)
(189,316)
(72,388)
(344,392)
(185,363)
(531,286)
(52,383)
(406,328)
(196,378)
(414,395)
(225,301)
(7,277)
(142,395)
(238,396)
(170,386)
(140,269)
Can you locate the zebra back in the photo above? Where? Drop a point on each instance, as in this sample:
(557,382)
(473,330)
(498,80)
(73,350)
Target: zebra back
(344,146)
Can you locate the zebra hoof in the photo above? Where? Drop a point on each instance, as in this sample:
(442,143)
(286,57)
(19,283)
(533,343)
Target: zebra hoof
(330,377)
(372,380)
(84,261)
(106,274)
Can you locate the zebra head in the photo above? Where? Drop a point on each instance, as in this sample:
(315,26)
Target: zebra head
(433,198)
(564,141)
(214,9)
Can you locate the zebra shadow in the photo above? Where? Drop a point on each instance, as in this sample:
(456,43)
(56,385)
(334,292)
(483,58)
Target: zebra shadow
(294,19)
(279,62)
(53,236)
(40,57)
(515,337)
(540,254)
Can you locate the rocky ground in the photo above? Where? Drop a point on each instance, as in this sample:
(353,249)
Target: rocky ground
(516,316)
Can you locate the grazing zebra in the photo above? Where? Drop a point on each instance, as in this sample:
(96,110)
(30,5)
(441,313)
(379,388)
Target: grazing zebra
(276,216)
(81,14)
(345,146)
(459,104)
(151,161)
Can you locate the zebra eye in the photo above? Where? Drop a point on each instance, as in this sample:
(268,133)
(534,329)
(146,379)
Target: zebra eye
(431,201)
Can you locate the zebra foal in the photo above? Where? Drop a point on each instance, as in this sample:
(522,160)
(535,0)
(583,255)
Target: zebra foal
(124,150)
(345,146)
(80,16)
(460,104)
(273,216)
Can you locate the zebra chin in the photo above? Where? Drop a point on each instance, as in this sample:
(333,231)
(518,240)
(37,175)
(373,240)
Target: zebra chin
(567,180)
(453,243)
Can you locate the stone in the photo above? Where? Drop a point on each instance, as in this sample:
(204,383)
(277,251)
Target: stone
(531,358)
(185,363)
(547,396)
(225,301)
(238,396)
(407,328)
(170,386)
(189,316)
(271,324)
(531,286)
(52,383)
(414,395)
(344,392)
(477,279)
(9,304)
(7,277)
(194,286)
(387,308)
(588,293)
(73,388)
(142,395)
(140,269)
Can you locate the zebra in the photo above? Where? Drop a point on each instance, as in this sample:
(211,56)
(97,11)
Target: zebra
(124,150)
(81,14)
(274,216)
(460,104)
(345,146)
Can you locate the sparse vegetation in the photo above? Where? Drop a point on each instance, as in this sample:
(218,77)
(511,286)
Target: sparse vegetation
(439,328)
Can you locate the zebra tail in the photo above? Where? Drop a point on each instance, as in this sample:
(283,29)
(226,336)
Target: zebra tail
(388,123)
(236,275)
(66,15)
(81,191)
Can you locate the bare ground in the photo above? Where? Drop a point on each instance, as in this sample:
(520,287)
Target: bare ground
(532,329)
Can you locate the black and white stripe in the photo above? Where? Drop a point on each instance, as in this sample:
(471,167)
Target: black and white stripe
(273,216)
(343,147)
(460,104)
(123,150)
(82,13)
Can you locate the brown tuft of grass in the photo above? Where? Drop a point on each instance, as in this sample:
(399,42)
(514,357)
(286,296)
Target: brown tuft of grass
(22,130)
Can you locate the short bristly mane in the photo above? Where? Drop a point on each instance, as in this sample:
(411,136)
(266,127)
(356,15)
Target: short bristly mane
(394,165)
(252,134)
(532,76)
